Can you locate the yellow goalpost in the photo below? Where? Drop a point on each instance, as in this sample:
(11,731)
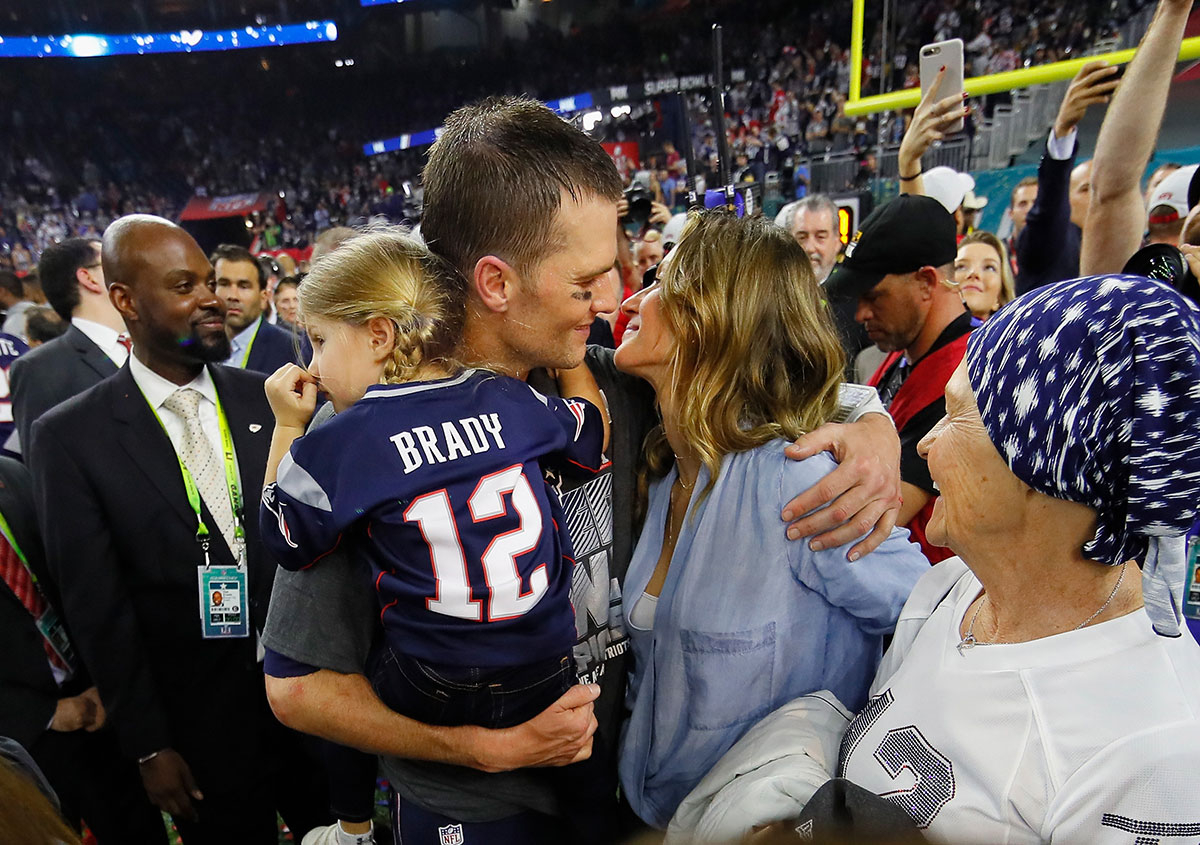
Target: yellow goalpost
(976,86)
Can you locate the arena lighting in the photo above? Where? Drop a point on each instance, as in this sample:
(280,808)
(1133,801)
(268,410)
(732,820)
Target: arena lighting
(88,45)
(379,2)
(591,119)
(419,139)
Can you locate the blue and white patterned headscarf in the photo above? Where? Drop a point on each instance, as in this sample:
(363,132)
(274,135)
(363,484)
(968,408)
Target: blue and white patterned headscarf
(1090,391)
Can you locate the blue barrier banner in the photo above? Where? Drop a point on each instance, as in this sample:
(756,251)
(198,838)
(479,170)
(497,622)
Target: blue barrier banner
(421,139)
(87,45)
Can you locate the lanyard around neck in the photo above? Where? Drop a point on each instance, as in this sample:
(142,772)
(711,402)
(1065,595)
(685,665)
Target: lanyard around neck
(232,484)
(12,541)
(250,343)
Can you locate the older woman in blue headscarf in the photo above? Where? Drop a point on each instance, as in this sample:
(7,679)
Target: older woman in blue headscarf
(1040,687)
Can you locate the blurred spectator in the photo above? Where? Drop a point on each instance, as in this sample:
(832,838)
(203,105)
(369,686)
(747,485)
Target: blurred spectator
(330,240)
(31,284)
(956,192)
(648,252)
(1169,205)
(287,303)
(1161,172)
(42,325)
(12,299)
(1020,202)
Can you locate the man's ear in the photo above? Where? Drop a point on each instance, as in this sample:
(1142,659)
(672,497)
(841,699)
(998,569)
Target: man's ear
(264,298)
(927,280)
(494,282)
(85,280)
(119,296)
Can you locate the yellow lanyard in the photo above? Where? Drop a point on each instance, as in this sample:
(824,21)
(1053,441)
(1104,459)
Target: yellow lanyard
(231,482)
(250,343)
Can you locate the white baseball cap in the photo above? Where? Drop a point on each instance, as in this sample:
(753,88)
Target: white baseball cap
(1178,191)
(950,188)
(673,229)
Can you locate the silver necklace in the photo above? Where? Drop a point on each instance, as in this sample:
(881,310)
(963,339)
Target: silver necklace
(969,642)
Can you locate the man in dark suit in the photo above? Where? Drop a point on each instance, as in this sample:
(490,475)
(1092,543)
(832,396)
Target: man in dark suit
(47,700)
(93,348)
(255,343)
(1048,246)
(164,581)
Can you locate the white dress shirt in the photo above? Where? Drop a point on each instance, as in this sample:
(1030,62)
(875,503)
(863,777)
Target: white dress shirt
(1060,149)
(157,390)
(104,337)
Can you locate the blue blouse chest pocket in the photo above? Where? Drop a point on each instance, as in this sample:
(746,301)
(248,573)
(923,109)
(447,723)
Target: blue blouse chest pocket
(730,676)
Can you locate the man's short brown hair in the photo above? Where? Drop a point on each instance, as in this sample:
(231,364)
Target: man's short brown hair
(1024,183)
(235,254)
(495,178)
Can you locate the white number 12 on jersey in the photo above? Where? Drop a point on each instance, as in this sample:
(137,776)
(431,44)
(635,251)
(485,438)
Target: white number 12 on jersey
(434,516)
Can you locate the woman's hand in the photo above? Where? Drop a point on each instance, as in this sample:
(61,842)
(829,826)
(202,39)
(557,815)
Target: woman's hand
(292,394)
(930,122)
(862,495)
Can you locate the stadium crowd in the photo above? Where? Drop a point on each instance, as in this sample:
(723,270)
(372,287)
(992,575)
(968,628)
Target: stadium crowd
(579,517)
(66,170)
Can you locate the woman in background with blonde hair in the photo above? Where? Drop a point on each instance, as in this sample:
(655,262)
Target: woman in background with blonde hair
(983,274)
(728,619)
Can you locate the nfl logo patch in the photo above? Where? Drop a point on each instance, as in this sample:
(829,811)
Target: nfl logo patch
(451,834)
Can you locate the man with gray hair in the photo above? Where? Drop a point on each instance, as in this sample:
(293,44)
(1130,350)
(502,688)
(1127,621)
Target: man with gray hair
(813,223)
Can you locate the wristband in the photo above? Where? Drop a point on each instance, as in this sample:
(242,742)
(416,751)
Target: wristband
(904,178)
(144,760)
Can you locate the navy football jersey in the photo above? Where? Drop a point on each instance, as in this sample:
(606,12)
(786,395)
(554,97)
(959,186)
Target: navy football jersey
(11,348)
(438,485)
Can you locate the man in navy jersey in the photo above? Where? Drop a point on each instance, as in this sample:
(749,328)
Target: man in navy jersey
(11,348)
(524,205)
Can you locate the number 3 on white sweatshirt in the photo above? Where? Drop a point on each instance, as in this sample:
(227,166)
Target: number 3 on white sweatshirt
(435,518)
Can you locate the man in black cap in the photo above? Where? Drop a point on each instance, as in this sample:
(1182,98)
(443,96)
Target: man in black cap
(899,267)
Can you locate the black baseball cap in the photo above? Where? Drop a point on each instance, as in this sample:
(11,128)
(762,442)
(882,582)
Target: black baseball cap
(906,234)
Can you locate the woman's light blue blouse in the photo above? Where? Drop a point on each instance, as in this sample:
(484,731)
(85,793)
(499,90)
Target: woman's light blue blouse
(746,621)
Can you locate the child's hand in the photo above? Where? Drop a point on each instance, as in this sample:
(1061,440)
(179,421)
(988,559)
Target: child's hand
(292,393)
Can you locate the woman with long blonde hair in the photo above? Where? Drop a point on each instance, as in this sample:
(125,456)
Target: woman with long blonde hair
(983,275)
(728,619)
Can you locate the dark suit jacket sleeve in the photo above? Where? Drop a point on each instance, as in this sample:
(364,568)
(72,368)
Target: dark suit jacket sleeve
(31,397)
(51,374)
(95,601)
(1047,227)
(273,347)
